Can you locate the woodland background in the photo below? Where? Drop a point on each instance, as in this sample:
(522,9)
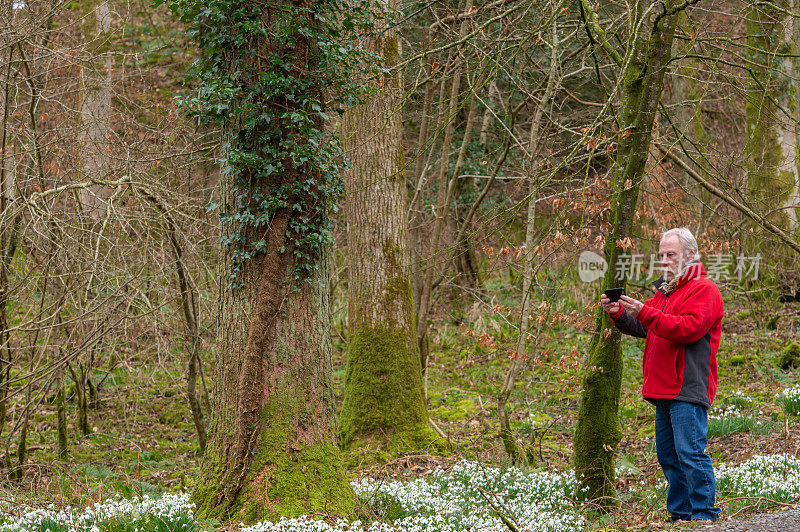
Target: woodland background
(172,221)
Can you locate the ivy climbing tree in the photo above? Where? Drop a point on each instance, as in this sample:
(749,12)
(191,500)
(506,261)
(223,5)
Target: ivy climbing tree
(269,73)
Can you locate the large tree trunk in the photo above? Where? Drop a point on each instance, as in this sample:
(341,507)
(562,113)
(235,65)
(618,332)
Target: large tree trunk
(598,431)
(272,438)
(383,401)
(272,446)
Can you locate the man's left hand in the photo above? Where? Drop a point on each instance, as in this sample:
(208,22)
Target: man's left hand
(630,305)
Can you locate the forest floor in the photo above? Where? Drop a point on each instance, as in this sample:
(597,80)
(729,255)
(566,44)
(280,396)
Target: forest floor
(141,439)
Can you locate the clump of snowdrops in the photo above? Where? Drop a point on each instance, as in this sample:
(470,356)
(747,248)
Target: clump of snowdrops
(773,477)
(790,399)
(168,513)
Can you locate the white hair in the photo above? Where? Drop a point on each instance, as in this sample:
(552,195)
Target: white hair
(686,239)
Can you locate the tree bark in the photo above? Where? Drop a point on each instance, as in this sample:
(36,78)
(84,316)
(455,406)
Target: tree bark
(272,446)
(688,101)
(384,401)
(772,171)
(96,105)
(598,431)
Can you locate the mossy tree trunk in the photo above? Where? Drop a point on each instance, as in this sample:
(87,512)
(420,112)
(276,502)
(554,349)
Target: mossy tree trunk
(688,99)
(766,94)
(272,446)
(384,400)
(598,431)
(771,143)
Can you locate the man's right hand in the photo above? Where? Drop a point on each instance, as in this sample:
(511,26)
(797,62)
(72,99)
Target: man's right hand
(611,307)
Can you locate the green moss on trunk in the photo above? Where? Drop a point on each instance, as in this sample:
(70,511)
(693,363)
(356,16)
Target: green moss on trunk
(598,431)
(384,400)
(285,477)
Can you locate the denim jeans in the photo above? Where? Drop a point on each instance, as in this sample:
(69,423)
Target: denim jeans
(681,430)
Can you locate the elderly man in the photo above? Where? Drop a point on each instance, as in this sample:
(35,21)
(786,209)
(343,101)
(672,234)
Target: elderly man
(682,324)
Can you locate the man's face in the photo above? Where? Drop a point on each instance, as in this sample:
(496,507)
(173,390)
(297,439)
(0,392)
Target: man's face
(672,256)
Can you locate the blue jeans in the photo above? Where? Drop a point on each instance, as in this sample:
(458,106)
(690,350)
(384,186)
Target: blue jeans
(681,430)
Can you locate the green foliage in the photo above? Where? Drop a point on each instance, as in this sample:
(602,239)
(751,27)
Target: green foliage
(772,323)
(733,424)
(790,357)
(269,74)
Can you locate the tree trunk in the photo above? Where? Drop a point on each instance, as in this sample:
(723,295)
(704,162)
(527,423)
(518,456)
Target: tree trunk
(272,446)
(794,68)
(9,232)
(464,261)
(770,143)
(22,445)
(598,431)
(96,105)
(507,434)
(188,299)
(689,114)
(383,401)
(61,414)
(445,198)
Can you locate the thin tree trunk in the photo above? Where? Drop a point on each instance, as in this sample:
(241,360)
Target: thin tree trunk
(188,299)
(61,414)
(96,105)
(597,430)
(81,397)
(8,231)
(464,261)
(22,446)
(794,68)
(507,434)
(418,281)
(445,198)
(488,116)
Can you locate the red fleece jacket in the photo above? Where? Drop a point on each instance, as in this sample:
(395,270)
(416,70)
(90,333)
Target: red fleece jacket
(682,331)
